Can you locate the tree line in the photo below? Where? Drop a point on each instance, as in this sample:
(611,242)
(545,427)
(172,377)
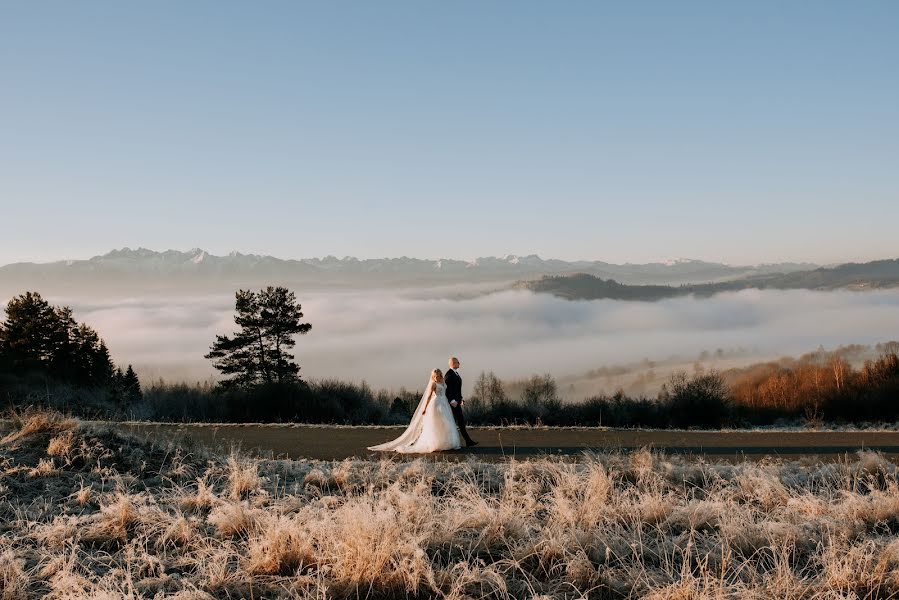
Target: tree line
(47,357)
(820,387)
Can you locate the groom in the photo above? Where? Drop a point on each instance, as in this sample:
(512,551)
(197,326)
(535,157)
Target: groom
(454,395)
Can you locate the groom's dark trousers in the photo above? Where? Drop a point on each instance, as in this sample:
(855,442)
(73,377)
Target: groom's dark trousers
(454,392)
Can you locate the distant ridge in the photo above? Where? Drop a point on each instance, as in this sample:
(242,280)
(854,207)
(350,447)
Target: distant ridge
(143,268)
(857,276)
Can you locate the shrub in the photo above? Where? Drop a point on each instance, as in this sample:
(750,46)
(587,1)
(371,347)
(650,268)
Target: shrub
(700,401)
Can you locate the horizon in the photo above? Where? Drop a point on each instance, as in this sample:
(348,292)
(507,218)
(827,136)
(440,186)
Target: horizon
(507,256)
(736,134)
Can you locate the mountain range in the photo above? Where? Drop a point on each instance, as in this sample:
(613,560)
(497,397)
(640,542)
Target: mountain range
(143,269)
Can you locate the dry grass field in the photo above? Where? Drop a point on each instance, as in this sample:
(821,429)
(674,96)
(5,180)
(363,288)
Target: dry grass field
(88,513)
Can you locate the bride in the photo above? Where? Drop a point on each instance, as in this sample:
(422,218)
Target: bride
(432,427)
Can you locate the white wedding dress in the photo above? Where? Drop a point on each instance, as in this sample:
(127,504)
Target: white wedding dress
(430,430)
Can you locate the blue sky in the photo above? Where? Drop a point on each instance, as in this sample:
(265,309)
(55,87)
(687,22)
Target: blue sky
(738,132)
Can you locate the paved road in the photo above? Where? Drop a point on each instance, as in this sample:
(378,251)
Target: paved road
(334,443)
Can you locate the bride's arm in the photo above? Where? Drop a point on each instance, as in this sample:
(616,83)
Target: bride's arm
(430,391)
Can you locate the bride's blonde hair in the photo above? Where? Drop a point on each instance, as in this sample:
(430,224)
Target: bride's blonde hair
(437,375)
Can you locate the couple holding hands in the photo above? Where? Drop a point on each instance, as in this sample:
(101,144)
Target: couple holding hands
(438,422)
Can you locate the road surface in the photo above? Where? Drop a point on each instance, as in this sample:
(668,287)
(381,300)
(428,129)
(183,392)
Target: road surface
(336,443)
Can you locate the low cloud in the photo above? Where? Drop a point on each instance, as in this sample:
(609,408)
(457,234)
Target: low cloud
(391,338)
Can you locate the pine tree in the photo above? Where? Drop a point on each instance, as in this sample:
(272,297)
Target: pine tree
(31,335)
(131,385)
(117,386)
(84,359)
(102,367)
(38,337)
(259,351)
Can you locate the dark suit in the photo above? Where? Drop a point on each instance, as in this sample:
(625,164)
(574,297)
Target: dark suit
(454,392)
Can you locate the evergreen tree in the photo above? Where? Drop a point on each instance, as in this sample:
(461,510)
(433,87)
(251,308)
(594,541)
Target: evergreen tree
(80,355)
(102,367)
(31,336)
(69,360)
(39,337)
(118,386)
(5,358)
(131,385)
(259,351)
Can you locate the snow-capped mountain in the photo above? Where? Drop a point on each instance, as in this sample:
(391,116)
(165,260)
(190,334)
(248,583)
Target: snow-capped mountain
(138,269)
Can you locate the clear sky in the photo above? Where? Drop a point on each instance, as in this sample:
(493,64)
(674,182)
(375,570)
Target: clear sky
(622,131)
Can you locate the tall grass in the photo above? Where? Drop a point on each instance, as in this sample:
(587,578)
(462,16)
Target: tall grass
(158,522)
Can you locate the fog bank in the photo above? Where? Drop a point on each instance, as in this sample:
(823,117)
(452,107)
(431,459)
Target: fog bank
(391,339)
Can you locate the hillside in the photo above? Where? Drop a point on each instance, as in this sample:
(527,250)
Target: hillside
(585,286)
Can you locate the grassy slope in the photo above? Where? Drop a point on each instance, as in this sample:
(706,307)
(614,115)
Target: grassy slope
(88,513)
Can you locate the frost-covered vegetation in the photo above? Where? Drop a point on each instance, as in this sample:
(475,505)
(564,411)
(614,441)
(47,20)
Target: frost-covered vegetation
(86,512)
